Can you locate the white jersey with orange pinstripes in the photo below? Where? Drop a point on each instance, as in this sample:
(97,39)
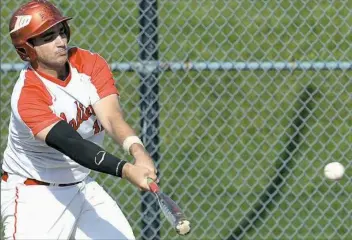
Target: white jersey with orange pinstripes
(39,100)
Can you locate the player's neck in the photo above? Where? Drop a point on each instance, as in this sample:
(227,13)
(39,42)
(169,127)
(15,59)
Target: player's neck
(59,73)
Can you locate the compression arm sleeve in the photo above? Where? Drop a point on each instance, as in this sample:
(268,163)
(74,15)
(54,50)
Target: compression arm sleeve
(65,139)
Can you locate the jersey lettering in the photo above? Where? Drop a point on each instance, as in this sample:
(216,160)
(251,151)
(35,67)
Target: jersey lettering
(97,128)
(83,114)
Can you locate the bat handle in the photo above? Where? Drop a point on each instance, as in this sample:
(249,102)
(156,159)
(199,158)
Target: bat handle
(153,186)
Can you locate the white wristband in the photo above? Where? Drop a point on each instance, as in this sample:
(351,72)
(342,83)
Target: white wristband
(127,143)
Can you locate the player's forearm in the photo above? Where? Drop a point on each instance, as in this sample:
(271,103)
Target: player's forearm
(65,139)
(119,130)
(110,115)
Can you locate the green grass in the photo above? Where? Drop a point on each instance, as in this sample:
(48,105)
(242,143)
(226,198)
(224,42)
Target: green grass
(221,132)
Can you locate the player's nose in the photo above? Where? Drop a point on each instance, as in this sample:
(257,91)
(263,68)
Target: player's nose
(61,40)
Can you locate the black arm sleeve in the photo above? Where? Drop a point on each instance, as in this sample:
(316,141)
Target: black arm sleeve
(65,139)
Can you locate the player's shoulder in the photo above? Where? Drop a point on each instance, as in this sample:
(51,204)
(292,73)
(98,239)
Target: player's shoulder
(29,85)
(84,60)
(27,79)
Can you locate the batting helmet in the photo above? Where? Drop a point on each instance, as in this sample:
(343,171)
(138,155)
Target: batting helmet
(31,20)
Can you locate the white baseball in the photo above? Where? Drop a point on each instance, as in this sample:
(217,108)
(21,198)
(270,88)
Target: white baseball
(334,170)
(183,227)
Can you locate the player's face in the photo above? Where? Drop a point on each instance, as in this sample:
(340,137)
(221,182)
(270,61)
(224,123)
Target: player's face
(51,47)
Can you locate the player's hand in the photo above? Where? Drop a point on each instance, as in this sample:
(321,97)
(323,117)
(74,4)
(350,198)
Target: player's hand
(138,175)
(142,158)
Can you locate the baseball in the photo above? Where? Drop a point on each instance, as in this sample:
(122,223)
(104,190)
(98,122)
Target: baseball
(183,227)
(334,170)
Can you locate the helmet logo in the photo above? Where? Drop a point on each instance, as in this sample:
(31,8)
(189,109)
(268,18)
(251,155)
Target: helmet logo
(21,22)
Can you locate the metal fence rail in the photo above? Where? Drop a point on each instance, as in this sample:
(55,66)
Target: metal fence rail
(253,99)
(156,66)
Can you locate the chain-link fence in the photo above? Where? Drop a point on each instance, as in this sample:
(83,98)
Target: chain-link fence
(244,105)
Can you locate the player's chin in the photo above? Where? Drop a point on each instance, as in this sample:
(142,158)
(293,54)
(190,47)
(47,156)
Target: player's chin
(61,60)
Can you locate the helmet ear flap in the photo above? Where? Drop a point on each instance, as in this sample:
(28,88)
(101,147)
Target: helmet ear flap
(23,54)
(27,52)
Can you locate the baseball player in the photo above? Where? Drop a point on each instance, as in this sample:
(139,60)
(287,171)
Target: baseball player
(62,104)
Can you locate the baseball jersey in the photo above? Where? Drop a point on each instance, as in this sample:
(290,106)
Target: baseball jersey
(39,100)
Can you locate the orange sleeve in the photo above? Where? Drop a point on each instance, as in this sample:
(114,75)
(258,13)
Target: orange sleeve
(102,78)
(95,66)
(34,108)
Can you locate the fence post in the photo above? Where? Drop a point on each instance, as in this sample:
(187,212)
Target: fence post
(149,105)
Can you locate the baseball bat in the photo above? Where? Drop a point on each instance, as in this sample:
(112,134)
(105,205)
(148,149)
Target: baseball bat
(170,209)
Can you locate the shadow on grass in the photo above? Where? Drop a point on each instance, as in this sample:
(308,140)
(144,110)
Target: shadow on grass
(303,110)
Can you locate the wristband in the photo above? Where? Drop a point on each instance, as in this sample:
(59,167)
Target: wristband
(127,143)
